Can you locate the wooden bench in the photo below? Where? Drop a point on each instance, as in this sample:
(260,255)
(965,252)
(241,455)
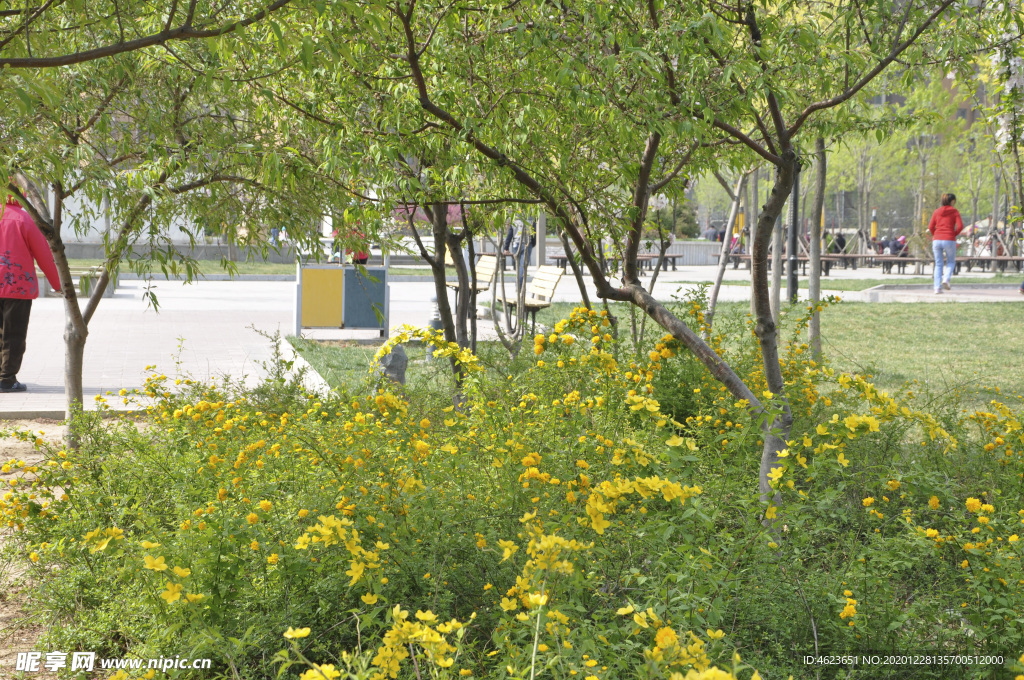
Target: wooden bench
(899,261)
(486,267)
(802,261)
(645,261)
(539,292)
(990,262)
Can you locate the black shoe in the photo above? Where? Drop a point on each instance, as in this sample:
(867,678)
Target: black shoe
(13,387)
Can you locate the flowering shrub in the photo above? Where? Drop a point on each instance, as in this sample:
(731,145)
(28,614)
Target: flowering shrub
(575,518)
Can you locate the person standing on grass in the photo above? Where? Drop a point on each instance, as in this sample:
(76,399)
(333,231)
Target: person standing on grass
(945,226)
(22,245)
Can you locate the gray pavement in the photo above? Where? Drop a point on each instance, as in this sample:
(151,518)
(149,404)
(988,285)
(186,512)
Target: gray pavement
(206,329)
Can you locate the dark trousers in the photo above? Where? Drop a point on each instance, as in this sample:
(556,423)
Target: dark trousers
(13,330)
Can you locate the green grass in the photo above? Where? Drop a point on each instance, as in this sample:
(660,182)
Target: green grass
(831,283)
(943,346)
(255,268)
(344,365)
(970,348)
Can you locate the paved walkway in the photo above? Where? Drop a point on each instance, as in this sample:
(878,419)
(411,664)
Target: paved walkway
(207,329)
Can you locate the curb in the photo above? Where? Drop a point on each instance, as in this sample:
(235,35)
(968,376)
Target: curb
(59,415)
(312,381)
(209,277)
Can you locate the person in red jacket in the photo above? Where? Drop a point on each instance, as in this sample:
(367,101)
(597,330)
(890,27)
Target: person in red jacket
(945,226)
(21,246)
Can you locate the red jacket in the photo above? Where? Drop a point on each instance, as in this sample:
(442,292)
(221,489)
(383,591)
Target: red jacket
(21,246)
(946,224)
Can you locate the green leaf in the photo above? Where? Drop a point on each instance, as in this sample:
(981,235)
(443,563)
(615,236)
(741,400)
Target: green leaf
(307,52)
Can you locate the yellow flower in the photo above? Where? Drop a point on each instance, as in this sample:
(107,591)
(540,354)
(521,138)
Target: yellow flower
(34,556)
(509,547)
(182,573)
(325,671)
(770,512)
(427,616)
(665,638)
(973,504)
(369,598)
(156,564)
(272,559)
(173,592)
(868,501)
(303,513)
(194,597)
(294,634)
(715,635)
(624,611)
(465,672)
(933,502)
(265,506)
(252,518)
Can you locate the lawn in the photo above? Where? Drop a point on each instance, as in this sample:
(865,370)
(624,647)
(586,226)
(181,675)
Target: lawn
(943,346)
(829,283)
(254,268)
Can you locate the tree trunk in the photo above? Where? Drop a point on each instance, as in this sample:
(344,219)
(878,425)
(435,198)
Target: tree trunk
(776,430)
(1015,133)
(577,273)
(752,210)
(723,257)
(814,284)
(776,296)
(472,289)
(438,216)
(466,286)
(993,227)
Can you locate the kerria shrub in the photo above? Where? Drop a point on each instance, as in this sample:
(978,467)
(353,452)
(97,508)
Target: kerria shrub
(561,522)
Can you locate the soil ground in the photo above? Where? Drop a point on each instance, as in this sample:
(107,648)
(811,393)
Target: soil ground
(18,632)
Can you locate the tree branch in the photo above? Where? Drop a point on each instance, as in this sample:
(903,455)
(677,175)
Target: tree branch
(183,32)
(870,75)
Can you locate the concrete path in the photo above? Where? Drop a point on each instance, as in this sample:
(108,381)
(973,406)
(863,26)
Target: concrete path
(206,329)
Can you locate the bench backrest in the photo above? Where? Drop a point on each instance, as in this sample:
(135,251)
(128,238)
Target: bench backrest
(486,266)
(545,280)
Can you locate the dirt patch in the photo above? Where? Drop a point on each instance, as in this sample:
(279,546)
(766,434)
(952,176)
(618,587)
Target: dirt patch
(51,431)
(18,631)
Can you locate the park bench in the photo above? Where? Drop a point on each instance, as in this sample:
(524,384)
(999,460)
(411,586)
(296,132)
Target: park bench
(486,267)
(539,292)
(900,262)
(86,276)
(645,261)
(990,262)
(802,261)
